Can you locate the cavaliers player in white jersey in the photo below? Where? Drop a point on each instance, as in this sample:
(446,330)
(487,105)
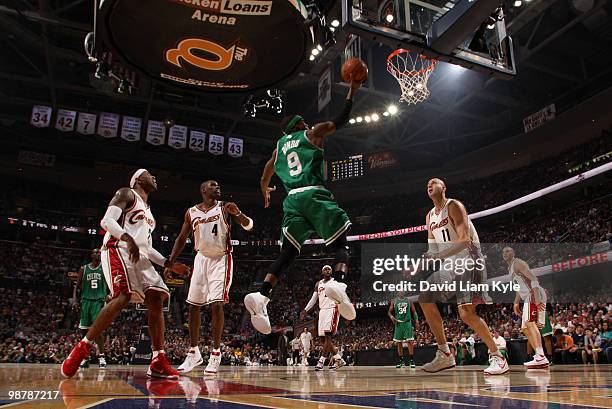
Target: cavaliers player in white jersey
(534,305)
(209,223)
(127,257)
(452,236)
(328,320)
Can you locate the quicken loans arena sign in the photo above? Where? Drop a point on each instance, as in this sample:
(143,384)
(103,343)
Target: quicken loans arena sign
(210,45)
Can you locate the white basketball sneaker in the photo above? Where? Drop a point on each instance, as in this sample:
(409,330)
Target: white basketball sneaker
(213,363)
(338,363)
(538,362)
(255,304)
(337,292)
(497,365)
(192,360)
(443,360)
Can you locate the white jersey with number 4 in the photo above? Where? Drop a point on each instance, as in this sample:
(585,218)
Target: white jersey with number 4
(444,231)
(211,230)
(138,222)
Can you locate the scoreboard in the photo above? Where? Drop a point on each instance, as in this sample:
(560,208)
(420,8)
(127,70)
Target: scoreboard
(349,168)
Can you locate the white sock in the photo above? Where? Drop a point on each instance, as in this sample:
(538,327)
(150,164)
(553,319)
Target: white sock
(194,350)
(216,350)
(539,351)
(444,348)
(155,353)
(322,359)
(337,356)
(496,353)
(87,340)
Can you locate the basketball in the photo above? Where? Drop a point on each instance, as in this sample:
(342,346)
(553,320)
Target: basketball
(357,68)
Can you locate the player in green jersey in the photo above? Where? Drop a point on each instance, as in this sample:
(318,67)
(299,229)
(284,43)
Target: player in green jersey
(308,208)
(94,292)
(402,314)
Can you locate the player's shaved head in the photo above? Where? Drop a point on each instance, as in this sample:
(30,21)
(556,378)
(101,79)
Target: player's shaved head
(206,183)
(436,187)
(438,180)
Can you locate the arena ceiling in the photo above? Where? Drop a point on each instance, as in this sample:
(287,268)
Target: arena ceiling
(563,49)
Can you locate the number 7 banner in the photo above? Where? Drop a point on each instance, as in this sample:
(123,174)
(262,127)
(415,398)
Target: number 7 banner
(86,124)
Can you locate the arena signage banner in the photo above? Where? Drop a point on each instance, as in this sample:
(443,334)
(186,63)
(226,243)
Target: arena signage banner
(65,120)
(86,123)
(382,160)
(177,137)
(41,116)
(108,125)
(197,141)
(215,144)
(130,129)
(539,118)
(324,88)
(235,147)
(156,133)
(210,45)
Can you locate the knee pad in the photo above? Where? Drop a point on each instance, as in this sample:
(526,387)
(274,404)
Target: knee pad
(287,255)
(341,251)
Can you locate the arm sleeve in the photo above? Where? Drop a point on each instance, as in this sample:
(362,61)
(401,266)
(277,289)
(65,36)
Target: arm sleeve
(312,302)
(343,116)
(156,257)
(109,222)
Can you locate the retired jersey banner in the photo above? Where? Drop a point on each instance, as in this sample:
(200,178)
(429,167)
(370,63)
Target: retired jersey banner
(235,147)
(41,116)
(156,133)
(324,89)
(130,128)
(108,125)
(177,137)
(215,144)
(197,140)
(86,124)
(65,120)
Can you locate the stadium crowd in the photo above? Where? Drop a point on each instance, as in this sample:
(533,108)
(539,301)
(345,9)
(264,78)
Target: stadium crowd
(38,323)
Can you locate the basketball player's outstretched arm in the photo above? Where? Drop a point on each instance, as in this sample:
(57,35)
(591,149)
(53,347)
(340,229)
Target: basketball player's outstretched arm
(266,177)
(124,199)
(311,303)
(391,312)
(179,243)
(320,131)
(459,218)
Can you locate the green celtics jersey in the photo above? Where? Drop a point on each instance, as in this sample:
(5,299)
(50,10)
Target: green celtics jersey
(402,309)
(299,163)
(93,283)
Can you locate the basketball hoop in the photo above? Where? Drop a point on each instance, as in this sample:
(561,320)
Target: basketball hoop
(412,71)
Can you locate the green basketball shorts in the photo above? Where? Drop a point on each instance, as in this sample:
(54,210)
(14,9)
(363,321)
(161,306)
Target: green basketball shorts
(312,210)
(89,311)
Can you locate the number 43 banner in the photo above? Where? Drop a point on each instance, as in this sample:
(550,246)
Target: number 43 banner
(235,147)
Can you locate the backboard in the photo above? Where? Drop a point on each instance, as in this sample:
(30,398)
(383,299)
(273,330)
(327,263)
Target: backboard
(470,33)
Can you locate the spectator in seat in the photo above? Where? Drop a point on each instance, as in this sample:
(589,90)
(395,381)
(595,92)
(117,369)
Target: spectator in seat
(592,347)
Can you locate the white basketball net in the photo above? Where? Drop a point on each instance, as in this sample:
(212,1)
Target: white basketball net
(412,71)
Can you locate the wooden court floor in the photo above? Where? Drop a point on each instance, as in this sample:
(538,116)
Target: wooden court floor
(281,387)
